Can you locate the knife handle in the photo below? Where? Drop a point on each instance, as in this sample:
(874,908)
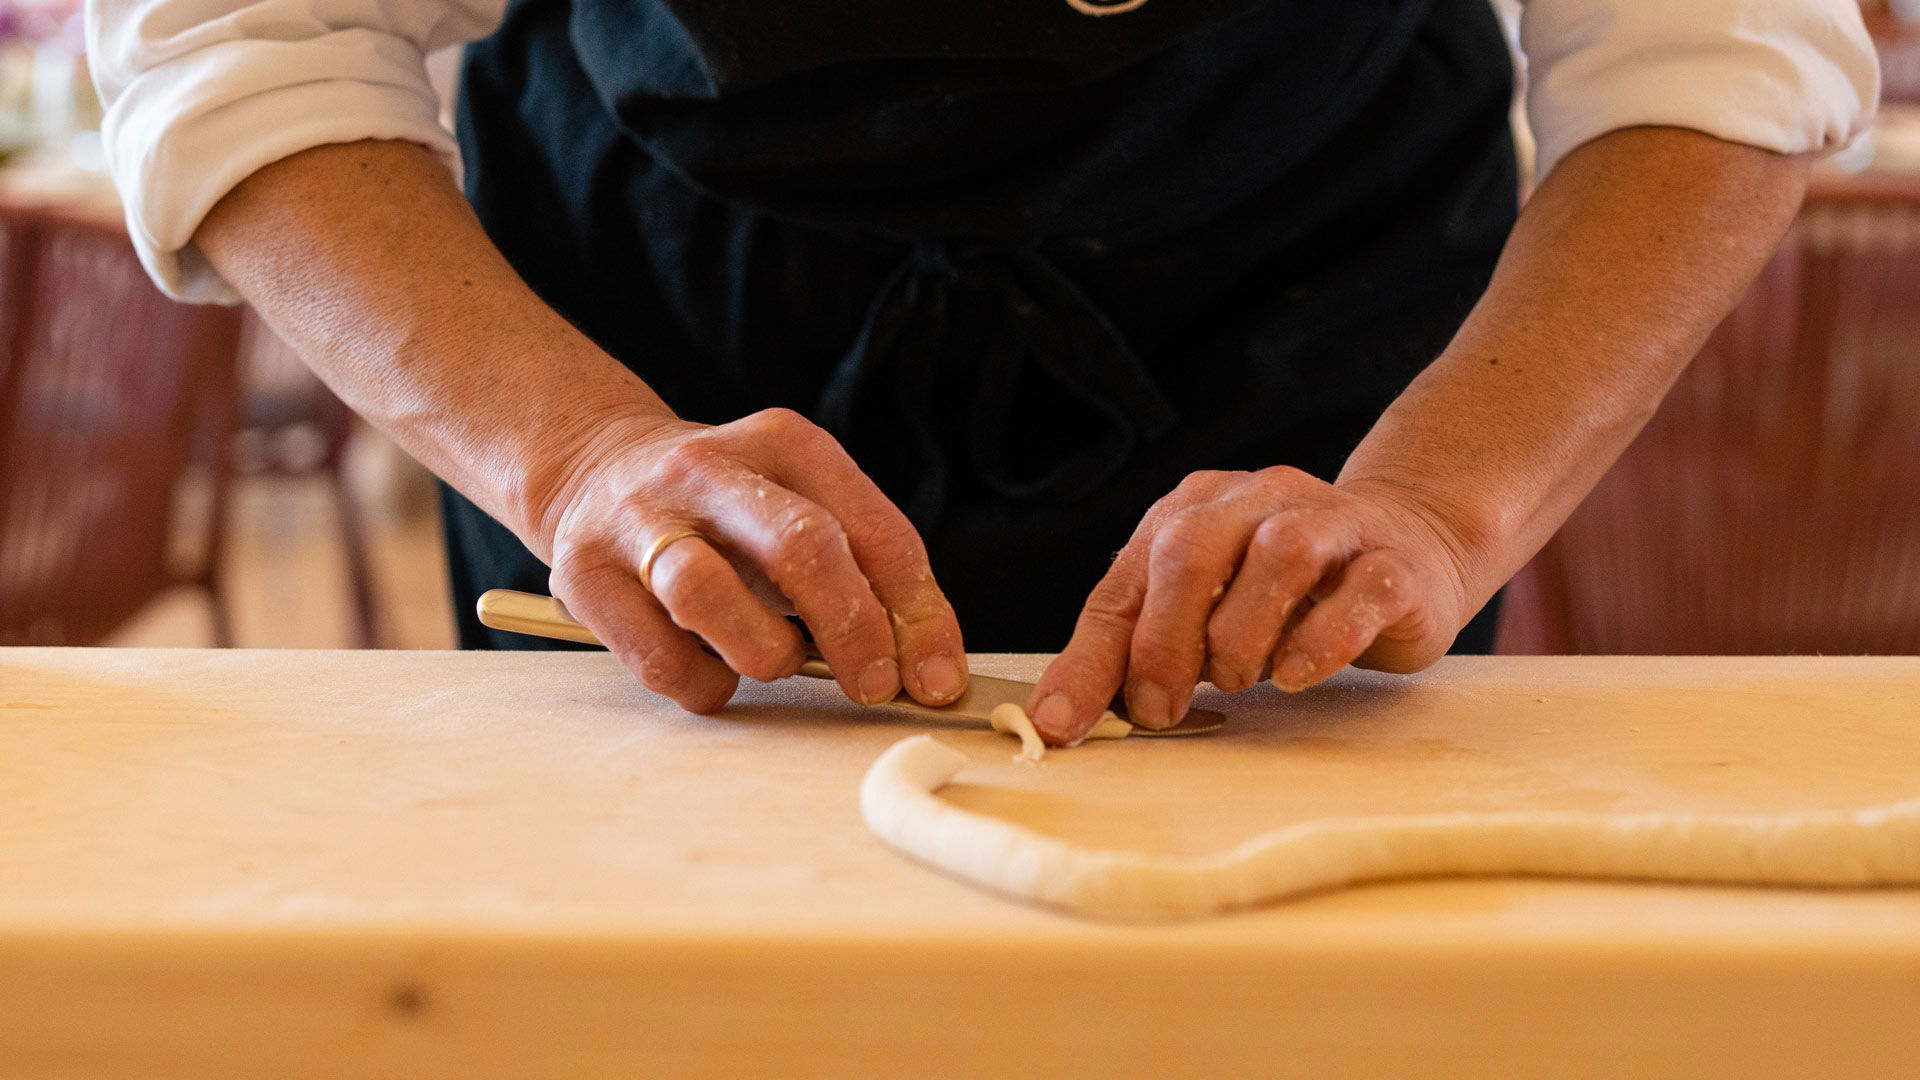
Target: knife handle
(545,616)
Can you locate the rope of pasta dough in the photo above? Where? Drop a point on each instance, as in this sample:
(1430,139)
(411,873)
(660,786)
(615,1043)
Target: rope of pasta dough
(1875,846)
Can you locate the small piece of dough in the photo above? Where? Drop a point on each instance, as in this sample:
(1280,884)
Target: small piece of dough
(1876,846)
(1011,719)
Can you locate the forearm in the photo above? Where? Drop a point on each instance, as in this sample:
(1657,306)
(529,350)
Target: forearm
(368,261)
(1622,263)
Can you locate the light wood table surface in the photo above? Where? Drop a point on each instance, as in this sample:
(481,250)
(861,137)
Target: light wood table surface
(292,864)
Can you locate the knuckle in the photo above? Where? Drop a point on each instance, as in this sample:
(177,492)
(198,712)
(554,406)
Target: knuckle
(576,563)
(888,549)
(1286,477)
(804,535)
(1075,671)
(1393,580)
(1193,489)
(1112,605)
(1230,645)
(923,616)
(657,666)
(781,418)
(1202,482)
(1360,614)
(1350,634)
(762,423)
(686,462)
(1290,542)
(635,517)
(1155,656)
(786,428)
(1183,547)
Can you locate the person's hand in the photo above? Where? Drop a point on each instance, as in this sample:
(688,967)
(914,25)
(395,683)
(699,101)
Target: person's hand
(1234,575)
(783,516)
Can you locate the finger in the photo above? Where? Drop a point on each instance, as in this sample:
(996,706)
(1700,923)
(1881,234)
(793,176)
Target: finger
(1080,683)
(803,550)
(796,543)
(1289,554)
(891,555)
(705,596)
(1376,590)
(1192,556)
(926,632)
(602,593)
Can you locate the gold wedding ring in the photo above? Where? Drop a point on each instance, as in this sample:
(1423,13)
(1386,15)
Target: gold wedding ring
(653,554)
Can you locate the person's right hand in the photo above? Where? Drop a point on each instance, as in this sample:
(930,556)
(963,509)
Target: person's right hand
(366,258)
(786,521)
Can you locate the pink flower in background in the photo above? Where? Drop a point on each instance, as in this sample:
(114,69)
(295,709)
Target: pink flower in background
(37,22)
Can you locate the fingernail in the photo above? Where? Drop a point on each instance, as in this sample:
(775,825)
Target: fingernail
(880,682)
(1149,706)
(940,678)
(1054,716)
(1295,671)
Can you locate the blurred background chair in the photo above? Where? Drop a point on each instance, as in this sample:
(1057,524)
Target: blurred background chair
(171,475)
(1773,503)
(293,427)
(1896,34)
(116,410)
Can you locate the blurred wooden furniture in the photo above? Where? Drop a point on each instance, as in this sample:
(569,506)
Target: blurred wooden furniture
(1898,41)
(1773,504)
(291,425)
(280,422)
(112,398)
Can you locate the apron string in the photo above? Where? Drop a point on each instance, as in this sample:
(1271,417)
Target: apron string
(1047,320)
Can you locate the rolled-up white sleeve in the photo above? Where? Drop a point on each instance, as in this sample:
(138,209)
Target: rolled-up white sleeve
(200,94)
(1793,76)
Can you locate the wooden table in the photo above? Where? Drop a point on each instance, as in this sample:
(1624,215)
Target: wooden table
(384,864)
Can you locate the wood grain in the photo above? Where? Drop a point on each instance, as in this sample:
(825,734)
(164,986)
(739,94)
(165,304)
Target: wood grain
(438,864)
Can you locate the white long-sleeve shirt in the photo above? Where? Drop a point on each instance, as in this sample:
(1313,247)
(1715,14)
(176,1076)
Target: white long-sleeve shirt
(201,93)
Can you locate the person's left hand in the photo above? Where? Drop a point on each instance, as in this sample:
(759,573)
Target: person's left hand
(1235,574)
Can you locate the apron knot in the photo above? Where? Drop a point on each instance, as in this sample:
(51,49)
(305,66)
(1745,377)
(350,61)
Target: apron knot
(993,356)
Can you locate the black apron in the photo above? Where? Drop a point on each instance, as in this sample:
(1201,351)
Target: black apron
(1031,265)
